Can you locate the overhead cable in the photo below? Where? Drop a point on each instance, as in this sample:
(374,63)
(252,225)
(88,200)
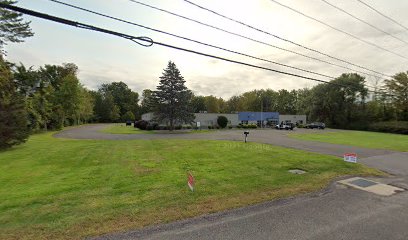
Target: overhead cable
(382,14)
(284,39)
(252,39)
(151,42)
(339,30)
(189,39)
(365,22)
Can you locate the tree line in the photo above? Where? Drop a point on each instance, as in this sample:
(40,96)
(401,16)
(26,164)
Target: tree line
(51,97)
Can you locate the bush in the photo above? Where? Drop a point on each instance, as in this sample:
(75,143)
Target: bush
(210,127)
(149,127)
(141,124)
(230,127)
(178,127)
(400,127)
(188,127)
(222,121)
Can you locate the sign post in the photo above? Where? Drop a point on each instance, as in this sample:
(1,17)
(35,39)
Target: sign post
(190,182)
(246,135)
(198,125)
(350,157)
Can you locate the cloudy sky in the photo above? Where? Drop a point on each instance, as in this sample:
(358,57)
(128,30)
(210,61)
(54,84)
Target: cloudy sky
(102,58)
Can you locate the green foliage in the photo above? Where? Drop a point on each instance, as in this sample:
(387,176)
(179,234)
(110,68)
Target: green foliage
(173,98)
(398,86)
(147,104)
(198,104)
(128,116)
(105,108)
(400,127)
(13,116)
(123,97)
(222,121)
(12,26)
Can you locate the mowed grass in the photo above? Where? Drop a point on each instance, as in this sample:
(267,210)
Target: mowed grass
(121,128)
(70,189)
(359,139)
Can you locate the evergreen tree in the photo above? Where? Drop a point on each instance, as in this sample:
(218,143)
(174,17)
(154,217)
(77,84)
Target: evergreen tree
(12,26)
(173,98)
(13,116)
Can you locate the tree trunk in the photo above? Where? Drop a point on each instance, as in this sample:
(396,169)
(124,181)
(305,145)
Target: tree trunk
(171,124)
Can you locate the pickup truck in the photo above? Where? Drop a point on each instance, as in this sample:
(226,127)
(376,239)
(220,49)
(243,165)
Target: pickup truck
(286,126)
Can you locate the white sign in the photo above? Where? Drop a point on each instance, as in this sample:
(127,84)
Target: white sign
(350,157)
(198,124)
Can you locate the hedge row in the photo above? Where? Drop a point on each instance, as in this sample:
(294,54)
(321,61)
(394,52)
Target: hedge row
(400,127)
(144,125)
(245,126)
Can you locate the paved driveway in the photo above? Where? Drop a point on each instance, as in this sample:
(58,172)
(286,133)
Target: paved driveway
(337,212)
(269,136)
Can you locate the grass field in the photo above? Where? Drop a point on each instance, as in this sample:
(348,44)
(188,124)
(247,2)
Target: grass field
(120,128)
(359,138)
(69,189)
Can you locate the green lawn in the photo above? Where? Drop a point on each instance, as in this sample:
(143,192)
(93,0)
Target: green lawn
(69,189)
(121,128)
(359,138)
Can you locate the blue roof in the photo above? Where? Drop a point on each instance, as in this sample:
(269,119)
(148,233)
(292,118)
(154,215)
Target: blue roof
(258,116)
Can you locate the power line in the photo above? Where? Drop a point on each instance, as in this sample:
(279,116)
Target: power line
(382,14)
(252,39)
(339,30)
(283,39)
(189,39)
(365,22)
(150,42)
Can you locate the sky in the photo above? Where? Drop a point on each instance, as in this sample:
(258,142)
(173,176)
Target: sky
(104,58)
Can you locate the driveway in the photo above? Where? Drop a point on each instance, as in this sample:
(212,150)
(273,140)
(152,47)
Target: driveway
(338,212)
(268,136)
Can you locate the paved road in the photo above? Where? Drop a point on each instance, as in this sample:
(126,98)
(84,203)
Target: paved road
(338,212)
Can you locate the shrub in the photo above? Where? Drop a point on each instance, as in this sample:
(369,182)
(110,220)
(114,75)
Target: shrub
(177,127)
(188,127)
(400,127)
(141,124)
(210,127)
(222,121)
(149,127)
(230,127)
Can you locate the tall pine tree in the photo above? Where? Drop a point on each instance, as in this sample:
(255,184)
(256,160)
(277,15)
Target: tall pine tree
(173,98)
(13,116)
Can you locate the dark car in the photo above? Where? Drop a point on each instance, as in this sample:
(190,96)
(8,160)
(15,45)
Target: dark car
(318,125)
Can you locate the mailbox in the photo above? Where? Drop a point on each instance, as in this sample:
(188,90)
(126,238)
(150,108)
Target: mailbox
(246,135)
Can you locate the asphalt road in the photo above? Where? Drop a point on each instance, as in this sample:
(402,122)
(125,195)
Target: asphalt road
(338,212)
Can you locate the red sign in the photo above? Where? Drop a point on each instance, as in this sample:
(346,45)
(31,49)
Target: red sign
(190,181)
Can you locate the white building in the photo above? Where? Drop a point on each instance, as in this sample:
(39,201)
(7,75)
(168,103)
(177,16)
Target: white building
(210,119)
(301,119)
(205,119)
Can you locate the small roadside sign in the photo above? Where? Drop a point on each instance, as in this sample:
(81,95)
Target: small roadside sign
(191,182)
(198,124)
(350,157)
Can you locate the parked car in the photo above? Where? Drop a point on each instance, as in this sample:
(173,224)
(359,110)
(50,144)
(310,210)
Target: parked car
(286,126)
(318,125)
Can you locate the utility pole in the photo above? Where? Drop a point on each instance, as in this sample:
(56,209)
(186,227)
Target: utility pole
(261,113)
